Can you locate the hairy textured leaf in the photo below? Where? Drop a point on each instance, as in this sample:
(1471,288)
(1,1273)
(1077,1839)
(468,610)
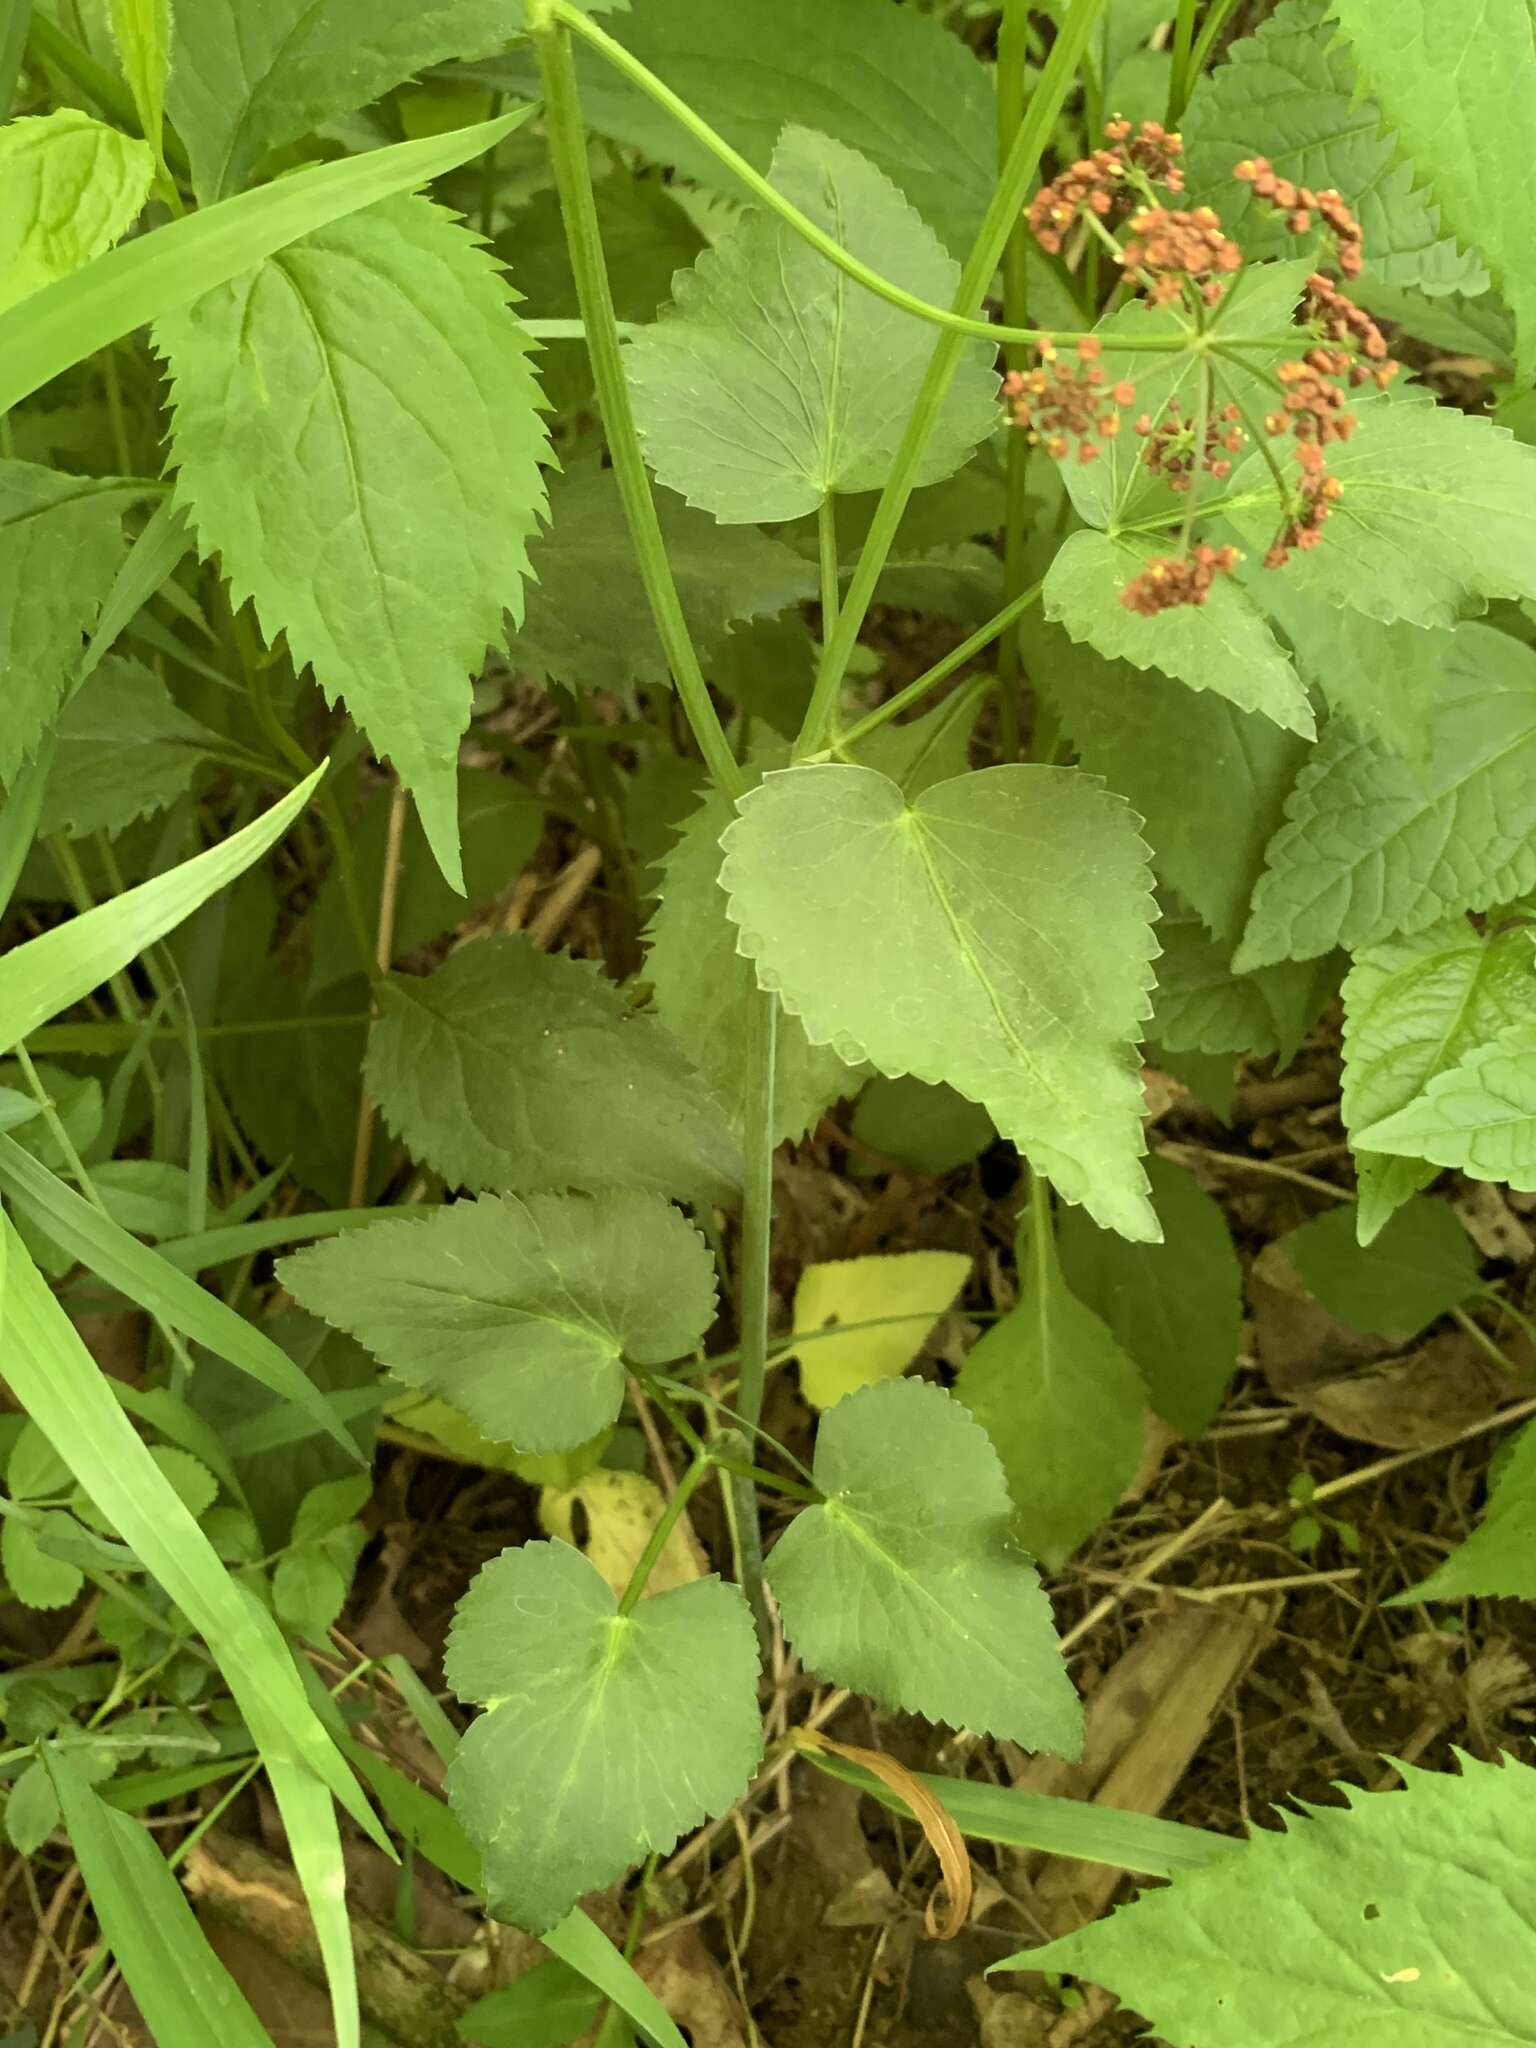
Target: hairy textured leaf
(1413,1009)
(516,1069)
(1224,645)
(994,933)
(1419,1266)
(69,188)
(1175,1308)
(356,434)
(1374,846)
(1384,677)
(702,989)
(519,1313)
(60,545)
(1459,86)
(1438,511)
(1479,1115)
(122,749)
(905,1583)
(773,381)
(882,80)
(1060,1400)
(569,636)
(1498,1560)
(1399,1917)
(1289,92)
(890,1301)
(606,1735)
(1201,1006)
(1209,781)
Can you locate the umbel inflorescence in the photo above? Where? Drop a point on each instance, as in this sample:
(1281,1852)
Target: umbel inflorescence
(1183,257)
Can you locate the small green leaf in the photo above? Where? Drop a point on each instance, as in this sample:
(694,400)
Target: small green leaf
(122,749)
(1061,1401)
(31,1807)
(1418,1266)
(309,1590)
(1384,1919)
(385,541)
(1223,645)
(34,1470)
(69,188)
(548,2006)
(1498,1560)
(1176,1308)
(1413,1009)
(906,1582)
(1479,1115)
(330,1506)
(606,1735)
(36,1579)
(993,934)
(755,391)
(518,1069)
(521,1314)
(1374,846)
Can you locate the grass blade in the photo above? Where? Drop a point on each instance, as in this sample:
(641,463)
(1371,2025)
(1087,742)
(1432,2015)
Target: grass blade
(139,280)
(158,549)
(185,1993)
(57,968)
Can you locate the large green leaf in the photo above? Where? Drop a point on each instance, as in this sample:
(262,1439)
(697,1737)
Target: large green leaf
(1498,1560)
(387,539)
(60,544)
(1419,1266)
(1479,1115)
(1208,780)
(703,988)
(1459,86)
(906,1583)
(1225,644)
(522,1314)
(1413,1009)
(606,1735)
(994,933)
(1059,1398)
(1400,1917)
(721,576)
(1176,1308)
(1201,1006)
(1374,845)
(1289,92)
(69,187)
(123,748)
(511,1068)
(772,381)
(1384,676)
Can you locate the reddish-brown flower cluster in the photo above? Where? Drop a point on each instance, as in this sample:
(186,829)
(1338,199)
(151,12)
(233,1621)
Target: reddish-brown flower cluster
(1060,402)
(1340,320)
(1317,494)
(1176,248)
(1170,450)
(1178,579)
(1299,203)
(1109,181)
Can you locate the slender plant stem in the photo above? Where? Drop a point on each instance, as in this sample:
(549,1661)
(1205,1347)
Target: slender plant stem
(1215,21)
(756,1244)
(691,1480)
(389,897)
(573,178)
(826,545)
(1012,51)
(983,637)
(1045,105)
(1181,78)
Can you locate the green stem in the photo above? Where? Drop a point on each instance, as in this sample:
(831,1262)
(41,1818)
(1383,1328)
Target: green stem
(756,1243)
(1012,50)
(1215,22)
(941,670)
(826,544)
(1181,77)
(955,320)
(692,1479)
(573,178)
(975,281)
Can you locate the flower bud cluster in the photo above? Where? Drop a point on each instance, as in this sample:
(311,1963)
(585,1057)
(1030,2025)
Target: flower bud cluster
(1061,401)
(1170,444)
(1178,579)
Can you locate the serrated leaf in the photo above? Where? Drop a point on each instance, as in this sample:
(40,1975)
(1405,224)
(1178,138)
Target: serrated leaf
(1438,512)
(1374,846)
(722,576)
(994,933)
(123,749)
(886,82)
(1479,1115)
(69,188)
(1061,1401)
(521,1314)
(606,1735)
(246,81)
(1498,1560)
(328,1507)
(1201,1006)
(702,989)
(141,29)
(1398,1917)
(1175,1308)
(905,1583)
(772,382)
(517,1069)
(36,1579)
(1420,1265)
(31,1807)
(60,545)
(34,1469)
(1289,92)
(386,539)
(309,1590)
(1385,678)
(500,824)
(1225,644)
(1413,1009)
(894,1298)
(1208,780)
(1459,87)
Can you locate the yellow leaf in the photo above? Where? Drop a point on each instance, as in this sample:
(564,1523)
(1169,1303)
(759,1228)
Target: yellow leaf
(894,1298)
(621,1508)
